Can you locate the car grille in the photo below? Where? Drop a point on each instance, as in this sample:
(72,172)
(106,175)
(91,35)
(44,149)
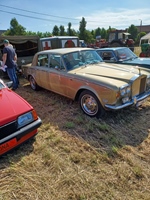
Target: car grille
(142,85)
(139,85)
(8,129)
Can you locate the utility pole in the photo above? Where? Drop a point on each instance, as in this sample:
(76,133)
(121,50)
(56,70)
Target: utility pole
(140,25)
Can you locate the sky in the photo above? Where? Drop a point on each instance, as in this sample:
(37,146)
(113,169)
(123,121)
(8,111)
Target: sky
(42,16)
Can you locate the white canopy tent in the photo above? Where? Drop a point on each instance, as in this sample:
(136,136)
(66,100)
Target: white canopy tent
(145,37)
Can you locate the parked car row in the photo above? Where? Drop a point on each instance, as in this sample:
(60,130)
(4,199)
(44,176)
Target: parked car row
(123,55)
(80,74)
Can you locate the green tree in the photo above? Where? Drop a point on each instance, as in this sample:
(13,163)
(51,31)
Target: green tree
(93,33)
(46,34)
(69,30)
(97,32)
(62,30)
(55,31)
(103,33)
(88,37)
(74,33)
(82,29)
(30,33)
(15,28)
(141,34)
(133,31)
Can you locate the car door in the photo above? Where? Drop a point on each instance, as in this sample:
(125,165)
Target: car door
(58,76)
(42,71)
(53,75)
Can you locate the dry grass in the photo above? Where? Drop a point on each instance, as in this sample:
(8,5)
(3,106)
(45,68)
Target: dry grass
(74,157)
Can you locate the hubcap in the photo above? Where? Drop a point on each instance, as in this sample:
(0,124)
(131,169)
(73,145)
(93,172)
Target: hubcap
(89,104)
(32,82)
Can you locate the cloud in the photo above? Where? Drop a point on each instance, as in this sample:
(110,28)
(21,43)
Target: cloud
(119,18)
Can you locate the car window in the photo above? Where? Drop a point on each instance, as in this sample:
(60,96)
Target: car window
(106,55)
(81,58)
(43,60)
(56,62)
(71,60)
(125,54)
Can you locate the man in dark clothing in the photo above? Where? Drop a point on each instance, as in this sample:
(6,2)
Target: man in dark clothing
(9,59)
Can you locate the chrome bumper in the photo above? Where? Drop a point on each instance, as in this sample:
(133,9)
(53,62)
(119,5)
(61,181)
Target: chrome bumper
(134,101)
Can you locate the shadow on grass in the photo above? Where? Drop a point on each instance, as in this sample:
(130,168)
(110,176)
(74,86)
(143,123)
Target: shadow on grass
(129,126)
(16,154)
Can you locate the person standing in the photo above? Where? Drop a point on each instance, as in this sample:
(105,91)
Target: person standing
(9,59)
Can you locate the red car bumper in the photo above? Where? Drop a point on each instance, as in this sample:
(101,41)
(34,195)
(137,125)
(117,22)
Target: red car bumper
(15,139)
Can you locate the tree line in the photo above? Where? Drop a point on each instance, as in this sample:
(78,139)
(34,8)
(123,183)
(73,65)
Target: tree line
(82,33)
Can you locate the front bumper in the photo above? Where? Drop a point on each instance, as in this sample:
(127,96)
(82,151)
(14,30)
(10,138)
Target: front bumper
(10,142)
(134,101)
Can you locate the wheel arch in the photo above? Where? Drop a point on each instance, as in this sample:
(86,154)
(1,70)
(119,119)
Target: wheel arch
(89,89)
(37,87)
(28,77)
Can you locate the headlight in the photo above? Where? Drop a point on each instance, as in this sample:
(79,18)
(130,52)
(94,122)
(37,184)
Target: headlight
(128,89)
(124,90)
(26,118)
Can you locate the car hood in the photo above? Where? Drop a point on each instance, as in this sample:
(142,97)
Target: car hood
(115,73)
(136,69)
(138,61)
(12,105)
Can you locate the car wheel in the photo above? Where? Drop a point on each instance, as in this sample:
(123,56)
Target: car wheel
(90,104)
(33,83)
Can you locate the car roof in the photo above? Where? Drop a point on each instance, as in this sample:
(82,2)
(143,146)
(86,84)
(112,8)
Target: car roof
(111,48)
(59,37)
(64,50)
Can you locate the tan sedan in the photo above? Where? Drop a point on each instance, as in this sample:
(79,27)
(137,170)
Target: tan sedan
(80,74)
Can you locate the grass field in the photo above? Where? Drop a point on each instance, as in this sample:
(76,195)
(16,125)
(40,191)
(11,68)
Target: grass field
(74,157)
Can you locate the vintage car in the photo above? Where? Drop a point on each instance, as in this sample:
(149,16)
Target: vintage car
(123,55)
(80,74)
(18,119)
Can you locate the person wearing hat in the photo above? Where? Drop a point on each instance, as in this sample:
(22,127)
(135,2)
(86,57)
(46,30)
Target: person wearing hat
(9,59)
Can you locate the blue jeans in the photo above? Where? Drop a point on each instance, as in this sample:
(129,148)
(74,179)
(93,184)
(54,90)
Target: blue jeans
(13,77)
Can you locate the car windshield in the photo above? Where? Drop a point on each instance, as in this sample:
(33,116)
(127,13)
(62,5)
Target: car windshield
(125,54)
(79,59)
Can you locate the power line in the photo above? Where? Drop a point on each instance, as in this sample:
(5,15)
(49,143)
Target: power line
(37,12)
(33,17)
(43,13)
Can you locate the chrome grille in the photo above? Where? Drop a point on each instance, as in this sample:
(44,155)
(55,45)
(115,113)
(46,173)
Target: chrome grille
(139,85)
(142,85)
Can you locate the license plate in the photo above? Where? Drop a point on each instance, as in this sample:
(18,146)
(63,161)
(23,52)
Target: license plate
(7,146)
(140,103)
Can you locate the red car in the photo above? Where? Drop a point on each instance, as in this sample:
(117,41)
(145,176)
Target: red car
(18,119)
